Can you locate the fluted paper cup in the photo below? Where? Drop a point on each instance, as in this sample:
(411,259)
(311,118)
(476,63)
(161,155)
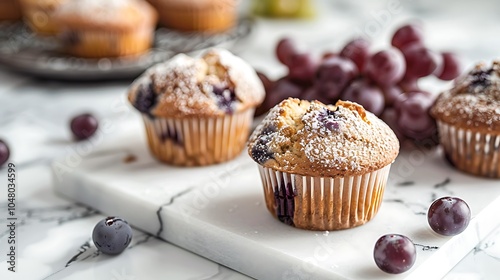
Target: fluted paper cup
(474,152)
(198,141)
(323,203)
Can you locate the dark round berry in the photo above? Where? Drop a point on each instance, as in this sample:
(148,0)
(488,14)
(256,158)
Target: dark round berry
(394,253)
(4,152)
(449,215)
(83,126)
(145,99)
(112,235)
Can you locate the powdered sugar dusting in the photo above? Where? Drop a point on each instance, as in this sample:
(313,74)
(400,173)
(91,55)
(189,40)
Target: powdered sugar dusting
(473,101)
(305,143)
(186,86)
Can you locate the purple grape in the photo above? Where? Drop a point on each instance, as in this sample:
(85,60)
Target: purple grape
(268,83)
(112,235)
(367,94)
(391,93)
(420,61)
(407,34)
(83,126)
(285,49)
(413,117)
(409,84)
(358,51)
(449,215)
(4,152)
(282,89)
(452,67)
(313,94)
(386,67)
(394,253)
(389,116)
(302,67)
(333,75)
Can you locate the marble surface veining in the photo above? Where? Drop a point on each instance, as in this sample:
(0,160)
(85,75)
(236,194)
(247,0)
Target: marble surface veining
(54,233)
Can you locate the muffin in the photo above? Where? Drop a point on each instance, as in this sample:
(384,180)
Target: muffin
(323,167)
(468,119)
(210,16)
(10,10)
(197,111)
(38,14)
(111,28)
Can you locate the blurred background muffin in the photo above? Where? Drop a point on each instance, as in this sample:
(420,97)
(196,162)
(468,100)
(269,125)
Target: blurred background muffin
(197,111)
(197,15)
(468,118)
(111,28)
(38,14)
(10,10)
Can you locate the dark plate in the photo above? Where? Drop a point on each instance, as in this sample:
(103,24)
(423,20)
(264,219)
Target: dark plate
(23,51)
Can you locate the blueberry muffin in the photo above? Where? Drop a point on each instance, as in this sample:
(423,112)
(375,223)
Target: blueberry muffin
(197,111)
(38,14)
(111,28)
(468,118)
(323,167)
(210,16)
(10,10)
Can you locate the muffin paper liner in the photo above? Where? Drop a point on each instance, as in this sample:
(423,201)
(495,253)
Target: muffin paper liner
(198,141)
(323,203)
(473,152)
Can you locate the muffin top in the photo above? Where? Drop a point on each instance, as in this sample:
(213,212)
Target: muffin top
(216,84)
(108,14)
(313,139)
(474,101)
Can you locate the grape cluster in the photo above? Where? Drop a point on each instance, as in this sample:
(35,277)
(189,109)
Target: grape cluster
(384,82)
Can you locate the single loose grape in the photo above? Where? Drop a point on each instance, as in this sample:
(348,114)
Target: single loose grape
(394,253)
(83,126)
(449,215)
(4,152)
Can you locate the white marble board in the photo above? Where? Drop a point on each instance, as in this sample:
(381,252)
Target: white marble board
(219,212)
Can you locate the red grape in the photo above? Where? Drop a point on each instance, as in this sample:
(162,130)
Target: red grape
(302,67)
(285,49)
(312,94)
(449,216)
(4,152)
(413,117)
(283,89)
(408,34)
(268,84)
(367,94)
(83,126)
(409,84)
(386,67)
(333,75)
(420,61)
(391,93)
(357,50)
(389,116)
(394,253)
(452,67)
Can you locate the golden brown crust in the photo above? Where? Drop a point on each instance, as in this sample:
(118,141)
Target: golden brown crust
(313,139)
(117,15)
(474,102)
(184,86)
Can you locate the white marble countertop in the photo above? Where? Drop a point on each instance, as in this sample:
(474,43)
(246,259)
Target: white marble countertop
(53,234)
